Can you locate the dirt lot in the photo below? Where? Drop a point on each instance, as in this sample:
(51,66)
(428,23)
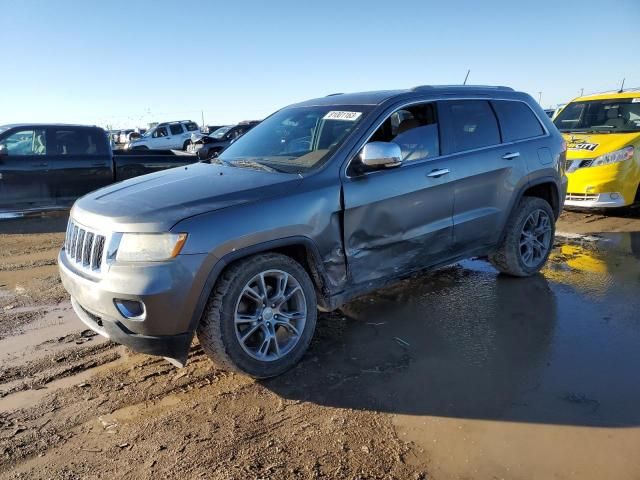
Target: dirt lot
(456,374)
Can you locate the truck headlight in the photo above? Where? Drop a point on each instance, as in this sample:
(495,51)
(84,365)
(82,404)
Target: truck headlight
(621,155)
(150,247)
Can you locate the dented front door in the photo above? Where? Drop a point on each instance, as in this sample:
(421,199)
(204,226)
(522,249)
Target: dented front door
(397,220)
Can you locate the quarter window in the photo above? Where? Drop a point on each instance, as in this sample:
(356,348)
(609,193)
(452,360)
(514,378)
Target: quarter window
(191,126)
(517,121)
(26,142)
(175,129)
(470,124)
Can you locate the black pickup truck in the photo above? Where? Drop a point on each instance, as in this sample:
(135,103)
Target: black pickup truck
(46,166)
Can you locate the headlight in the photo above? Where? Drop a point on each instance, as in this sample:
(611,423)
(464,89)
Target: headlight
(621,155)
(150,247)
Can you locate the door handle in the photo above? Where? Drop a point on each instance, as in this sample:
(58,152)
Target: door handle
(439,172)
(511,156)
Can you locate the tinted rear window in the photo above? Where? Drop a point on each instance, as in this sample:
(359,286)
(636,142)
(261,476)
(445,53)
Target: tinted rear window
(469,124)
(192,127)
(517,121)
(175,129)
(81,141)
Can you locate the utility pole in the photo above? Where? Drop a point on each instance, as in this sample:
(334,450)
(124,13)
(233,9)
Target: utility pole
(540,98)
(202,113)
(582,91)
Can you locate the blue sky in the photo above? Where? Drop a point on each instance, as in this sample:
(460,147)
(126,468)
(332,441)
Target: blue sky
(127,63)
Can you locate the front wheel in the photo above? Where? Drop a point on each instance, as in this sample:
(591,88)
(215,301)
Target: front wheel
(185,145)
(528,239)
(260,317)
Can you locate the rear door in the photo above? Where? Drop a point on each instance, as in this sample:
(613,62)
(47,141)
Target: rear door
(79,162)
(24,169)
(399,219)
(177,136)
(488,172)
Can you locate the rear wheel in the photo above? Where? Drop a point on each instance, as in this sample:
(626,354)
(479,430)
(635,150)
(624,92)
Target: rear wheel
(186,145)
(260,317)
(528,239)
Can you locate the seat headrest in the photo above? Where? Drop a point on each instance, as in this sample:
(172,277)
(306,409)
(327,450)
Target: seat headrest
(408,124)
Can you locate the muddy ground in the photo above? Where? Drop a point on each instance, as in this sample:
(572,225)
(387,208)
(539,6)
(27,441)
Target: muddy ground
(460,373)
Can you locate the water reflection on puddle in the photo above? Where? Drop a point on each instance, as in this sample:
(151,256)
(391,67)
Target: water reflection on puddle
(560,348)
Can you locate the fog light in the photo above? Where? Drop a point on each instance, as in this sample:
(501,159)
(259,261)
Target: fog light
(130,309)
(614,196)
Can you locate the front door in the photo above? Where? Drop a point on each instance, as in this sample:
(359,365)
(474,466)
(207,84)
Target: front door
(23,169)
(399,219)
(79,163)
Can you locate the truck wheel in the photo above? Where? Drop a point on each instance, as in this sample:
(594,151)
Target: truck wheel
(260,317)
(186,145)
(528,239)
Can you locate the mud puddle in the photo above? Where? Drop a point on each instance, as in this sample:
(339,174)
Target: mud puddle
(489,375)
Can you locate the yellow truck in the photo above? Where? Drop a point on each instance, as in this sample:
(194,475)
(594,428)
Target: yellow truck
(602,132)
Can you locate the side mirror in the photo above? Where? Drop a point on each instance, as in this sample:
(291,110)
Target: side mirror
(381,154)
(4,151)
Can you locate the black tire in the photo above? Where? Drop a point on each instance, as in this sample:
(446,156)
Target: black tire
(185,145)
(217,329)
(508,258)
(141,147)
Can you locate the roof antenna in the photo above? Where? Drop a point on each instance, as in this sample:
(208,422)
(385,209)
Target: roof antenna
(466,77)
(622,86)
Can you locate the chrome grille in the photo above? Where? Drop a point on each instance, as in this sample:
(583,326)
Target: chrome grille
(84,247)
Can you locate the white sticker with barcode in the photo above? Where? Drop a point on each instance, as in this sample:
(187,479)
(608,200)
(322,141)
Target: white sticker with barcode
(339,115)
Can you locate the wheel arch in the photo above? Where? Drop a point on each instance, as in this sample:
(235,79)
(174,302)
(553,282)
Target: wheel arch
(300,248)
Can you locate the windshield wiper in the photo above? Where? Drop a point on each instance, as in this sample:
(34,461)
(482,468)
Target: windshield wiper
(251,164)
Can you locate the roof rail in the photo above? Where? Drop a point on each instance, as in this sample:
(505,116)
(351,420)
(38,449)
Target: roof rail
(492,87)
(334,94)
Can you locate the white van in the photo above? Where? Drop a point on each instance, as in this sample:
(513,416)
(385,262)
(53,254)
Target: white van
(166,136)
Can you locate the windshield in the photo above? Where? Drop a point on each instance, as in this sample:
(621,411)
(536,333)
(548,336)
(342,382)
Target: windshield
(296,139)
(149,132)
(4,128)
(601,116)
(219,133)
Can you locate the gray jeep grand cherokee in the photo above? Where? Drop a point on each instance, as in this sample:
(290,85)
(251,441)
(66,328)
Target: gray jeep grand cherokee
(324,200)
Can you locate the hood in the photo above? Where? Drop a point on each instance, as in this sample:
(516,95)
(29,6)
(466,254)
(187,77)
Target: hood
(591,145)
(157,201)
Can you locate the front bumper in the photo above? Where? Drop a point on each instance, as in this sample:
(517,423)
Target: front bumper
(173,347)
(169,292)
(598,200)
(607,186)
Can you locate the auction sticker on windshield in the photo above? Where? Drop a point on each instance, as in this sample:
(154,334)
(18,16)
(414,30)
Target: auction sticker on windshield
(338,115)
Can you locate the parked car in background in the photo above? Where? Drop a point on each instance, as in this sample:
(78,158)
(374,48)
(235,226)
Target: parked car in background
(195,136)
(550,112)
(602,132)
(211,145)
(123,138)
(321,202)
(49,166)
(166,135)
(211,128)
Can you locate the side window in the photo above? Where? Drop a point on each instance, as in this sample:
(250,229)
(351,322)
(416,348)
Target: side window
(469,124)
(191,126)
(160,132)
(26,142)
(517,121)
(415,129)
(176,129)
(78,142)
